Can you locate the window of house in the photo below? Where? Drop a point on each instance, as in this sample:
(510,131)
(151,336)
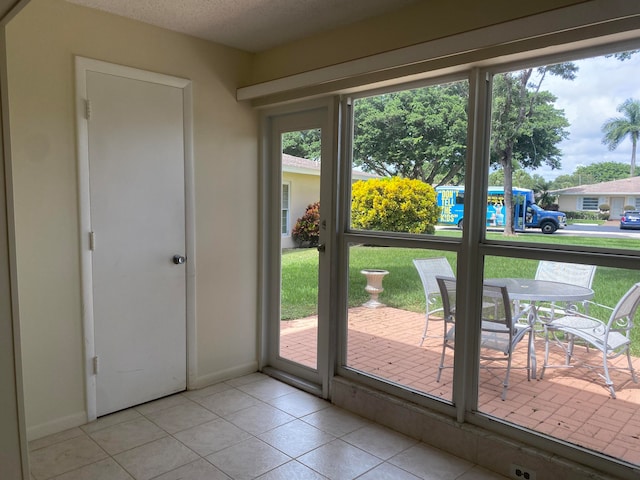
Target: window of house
(590,203)
(285,221)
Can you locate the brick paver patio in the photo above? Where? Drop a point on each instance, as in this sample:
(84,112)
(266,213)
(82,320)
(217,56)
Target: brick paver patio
(569,404)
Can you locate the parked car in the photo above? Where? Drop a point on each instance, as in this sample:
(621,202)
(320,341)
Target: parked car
(630,219)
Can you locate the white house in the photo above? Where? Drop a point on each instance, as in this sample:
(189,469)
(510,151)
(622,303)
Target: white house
(300,188)
(616,193)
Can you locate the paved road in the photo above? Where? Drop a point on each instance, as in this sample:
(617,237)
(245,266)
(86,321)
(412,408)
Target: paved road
(609,230)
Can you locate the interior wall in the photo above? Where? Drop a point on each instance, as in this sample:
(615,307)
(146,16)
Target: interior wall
(42,41)
(424,21)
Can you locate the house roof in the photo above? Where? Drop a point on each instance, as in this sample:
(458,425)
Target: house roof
(626,186)
(305,166)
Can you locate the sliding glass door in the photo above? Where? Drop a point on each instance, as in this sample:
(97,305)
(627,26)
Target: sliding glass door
(299,168)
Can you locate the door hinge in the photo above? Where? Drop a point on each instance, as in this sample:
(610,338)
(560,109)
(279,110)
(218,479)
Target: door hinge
(87,109)
(95,365)
(92,241)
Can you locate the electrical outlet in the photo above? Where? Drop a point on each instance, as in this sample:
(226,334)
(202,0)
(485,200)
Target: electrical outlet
(521,473)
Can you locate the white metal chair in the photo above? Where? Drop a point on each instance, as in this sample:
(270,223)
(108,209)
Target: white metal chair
(499,333)
(428,269)
(571,273)
(610,337)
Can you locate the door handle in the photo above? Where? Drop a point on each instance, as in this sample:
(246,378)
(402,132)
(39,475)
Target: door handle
(321,247)
(179,259)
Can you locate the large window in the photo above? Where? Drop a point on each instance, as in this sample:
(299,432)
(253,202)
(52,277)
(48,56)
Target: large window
(409,141)
(477,261)
(545,262)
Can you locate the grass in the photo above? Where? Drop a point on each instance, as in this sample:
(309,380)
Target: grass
(402,287)
(575,221)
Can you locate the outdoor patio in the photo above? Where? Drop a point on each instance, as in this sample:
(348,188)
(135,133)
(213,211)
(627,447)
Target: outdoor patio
(570,404)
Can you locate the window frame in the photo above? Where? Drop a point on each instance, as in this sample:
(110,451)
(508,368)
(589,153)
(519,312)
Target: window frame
(583,206)
(287,222)
(471,250)
(590,36)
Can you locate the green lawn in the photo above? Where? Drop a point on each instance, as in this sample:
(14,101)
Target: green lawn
(402,287)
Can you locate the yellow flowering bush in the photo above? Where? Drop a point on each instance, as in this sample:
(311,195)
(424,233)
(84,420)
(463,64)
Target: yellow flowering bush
(394,205)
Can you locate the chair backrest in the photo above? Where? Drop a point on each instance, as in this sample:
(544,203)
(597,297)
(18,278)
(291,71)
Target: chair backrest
(623,313)
(497,321)
(429,269)
(571,273)
(496,308)
(447,289)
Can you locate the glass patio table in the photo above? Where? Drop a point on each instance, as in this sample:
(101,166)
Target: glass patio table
(533,291)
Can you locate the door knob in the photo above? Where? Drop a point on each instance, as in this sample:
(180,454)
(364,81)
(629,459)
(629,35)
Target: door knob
(179,259)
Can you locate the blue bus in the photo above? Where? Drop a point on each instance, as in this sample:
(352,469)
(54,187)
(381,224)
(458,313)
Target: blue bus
(525,212)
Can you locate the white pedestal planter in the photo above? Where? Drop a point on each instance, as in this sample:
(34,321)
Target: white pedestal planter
(374,286)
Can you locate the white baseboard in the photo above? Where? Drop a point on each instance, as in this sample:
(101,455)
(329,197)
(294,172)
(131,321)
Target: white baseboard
(55,426)
(222,375)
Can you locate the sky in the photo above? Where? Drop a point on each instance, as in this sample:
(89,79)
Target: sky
(601,85)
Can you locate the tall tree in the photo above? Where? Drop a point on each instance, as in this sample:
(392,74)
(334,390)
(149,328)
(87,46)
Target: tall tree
(526,127)
(617,129)
(302,143)
(521,178)
(417,134)
(595,173)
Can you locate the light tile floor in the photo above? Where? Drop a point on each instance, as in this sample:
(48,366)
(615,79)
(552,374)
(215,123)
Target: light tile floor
(249,427)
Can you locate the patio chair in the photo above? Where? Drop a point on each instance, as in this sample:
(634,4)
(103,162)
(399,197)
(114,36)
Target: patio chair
(571,273)
(611,338)
(428,269)
(499,332)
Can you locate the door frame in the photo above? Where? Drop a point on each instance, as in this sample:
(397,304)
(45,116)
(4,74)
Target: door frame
(320,113)
(617,207)
(84,65)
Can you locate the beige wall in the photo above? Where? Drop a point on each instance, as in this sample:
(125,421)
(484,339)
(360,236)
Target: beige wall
(305,190)
(424,21)
(42,42)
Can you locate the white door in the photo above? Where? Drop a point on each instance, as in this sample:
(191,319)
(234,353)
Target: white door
(617,208)
(137,208)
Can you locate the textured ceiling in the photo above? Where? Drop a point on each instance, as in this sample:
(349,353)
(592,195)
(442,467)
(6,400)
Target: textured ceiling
(251,25)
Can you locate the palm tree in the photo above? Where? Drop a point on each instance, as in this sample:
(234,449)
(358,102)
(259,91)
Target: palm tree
(617,129)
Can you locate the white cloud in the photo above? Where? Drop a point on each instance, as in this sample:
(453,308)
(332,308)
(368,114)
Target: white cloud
(601,85)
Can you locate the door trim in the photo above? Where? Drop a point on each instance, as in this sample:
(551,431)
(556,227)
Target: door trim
(84,65)
(319,113)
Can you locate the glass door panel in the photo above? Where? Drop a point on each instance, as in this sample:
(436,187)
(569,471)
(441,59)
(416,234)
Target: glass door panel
(300,227)
(297,179)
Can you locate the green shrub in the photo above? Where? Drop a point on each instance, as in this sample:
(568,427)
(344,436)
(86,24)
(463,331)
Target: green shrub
(629,207)
(604,207)
(307,228)
(394,205)
(579,215)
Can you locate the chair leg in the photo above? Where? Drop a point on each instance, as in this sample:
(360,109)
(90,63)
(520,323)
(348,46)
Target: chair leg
(546,351)
(633,371)
(426,326)
(444,349)
(607,379)
(531,360)
(441,366)
(570,342)
(505,384)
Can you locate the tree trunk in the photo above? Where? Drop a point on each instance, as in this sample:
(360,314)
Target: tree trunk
(507,167)
(633,156)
